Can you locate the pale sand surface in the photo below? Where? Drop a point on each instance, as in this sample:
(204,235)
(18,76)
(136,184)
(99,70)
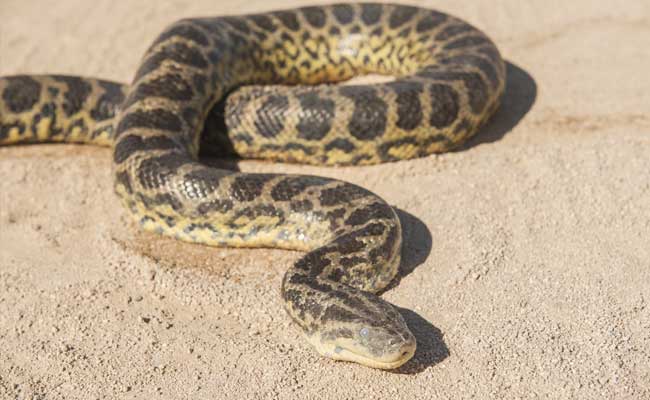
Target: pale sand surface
(527,255)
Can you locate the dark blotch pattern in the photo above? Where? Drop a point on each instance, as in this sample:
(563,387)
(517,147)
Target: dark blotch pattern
(316,116)
(341,144)
(335,31)
(384,149)
(314,262)
(288,19)
(151,119)
(243,137)
(176,51)
(476,61)
(491,52)
(77,91)
(154,173)
(237,23)
(264,22)
(292,186)
(354,302)
(315,16)
(374,211)
(289,146)
(48,111)
(311,306)
(378,31)
(369,116)
(186,31)
(271,115)
(444,105)
(342,194)
(336,313)
(21,93)
(404,33)
(334,217)
(477,89)
(201,182)
(109,102)
(218,205)
(400,16)
(298,146)
(350,243)
(167,199)
(429,22)
(344,13)
(351,261)
(338,332)
(122,178)
(409,107)
(6,128)
(182,53)
(171,86)
(149,65)
(452,31)
(77,124)
(467,41)
(386,248)
(301,206)
(256,211)
(296,298)
(190,115)
(249,187)
(133,143)
(199,81)
(370,13)
(106,131)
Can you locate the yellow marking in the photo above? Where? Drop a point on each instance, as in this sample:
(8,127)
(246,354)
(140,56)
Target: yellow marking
(43,129)
(14,135)
(337,156)
(403,150)
(243,220)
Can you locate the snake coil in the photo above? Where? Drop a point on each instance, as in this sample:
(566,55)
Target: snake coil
(449,81)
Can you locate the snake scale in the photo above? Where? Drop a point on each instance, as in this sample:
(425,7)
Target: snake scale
(272,75)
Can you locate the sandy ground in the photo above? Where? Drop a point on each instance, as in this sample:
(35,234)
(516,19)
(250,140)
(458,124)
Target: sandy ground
(527,257)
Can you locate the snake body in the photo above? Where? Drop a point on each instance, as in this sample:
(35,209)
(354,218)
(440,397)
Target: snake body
(257,70)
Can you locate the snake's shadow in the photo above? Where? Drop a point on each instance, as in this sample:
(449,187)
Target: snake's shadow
(431,347)
(416,247)
(519,97)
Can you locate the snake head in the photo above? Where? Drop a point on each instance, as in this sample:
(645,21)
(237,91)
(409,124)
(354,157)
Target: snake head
(364,329)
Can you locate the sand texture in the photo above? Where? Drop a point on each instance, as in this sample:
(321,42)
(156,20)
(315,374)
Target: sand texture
(526,267)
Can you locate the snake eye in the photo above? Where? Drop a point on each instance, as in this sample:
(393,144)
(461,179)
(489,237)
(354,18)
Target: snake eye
(364,332)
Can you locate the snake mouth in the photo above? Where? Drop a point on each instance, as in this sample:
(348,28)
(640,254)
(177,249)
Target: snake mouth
(392,360)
